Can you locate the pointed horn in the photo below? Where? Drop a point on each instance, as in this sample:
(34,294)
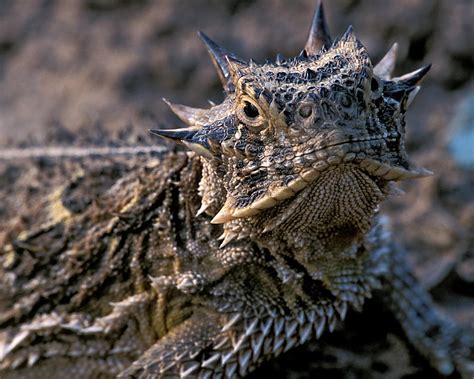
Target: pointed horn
(412,95)
(184,136)
(348,34)
(225,214)
(385,67)
(218,55)
(229,236)
(280,59)
(318,34)
(176,135)
(236,68)
(303,54)
(191,116)
(413,78)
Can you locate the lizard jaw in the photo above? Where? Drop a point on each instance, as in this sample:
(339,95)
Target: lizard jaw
(373,167)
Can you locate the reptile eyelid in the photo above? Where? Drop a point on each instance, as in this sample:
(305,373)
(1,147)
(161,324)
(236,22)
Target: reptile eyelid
(246,109)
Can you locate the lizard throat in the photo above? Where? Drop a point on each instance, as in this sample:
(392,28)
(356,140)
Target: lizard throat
(330,214)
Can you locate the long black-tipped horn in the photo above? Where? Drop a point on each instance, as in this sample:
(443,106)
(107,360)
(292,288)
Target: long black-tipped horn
(406,86)
(218,55)
(176,135)
(187,137)
(413,78)
(318,34)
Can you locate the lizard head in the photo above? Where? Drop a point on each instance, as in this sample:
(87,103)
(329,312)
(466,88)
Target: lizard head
(285,123)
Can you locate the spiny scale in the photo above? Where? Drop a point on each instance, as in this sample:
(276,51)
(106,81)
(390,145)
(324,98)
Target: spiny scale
(263,338)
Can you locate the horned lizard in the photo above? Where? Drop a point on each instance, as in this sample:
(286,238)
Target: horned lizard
(207,263)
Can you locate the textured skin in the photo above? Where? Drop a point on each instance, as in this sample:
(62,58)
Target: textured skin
(206,264)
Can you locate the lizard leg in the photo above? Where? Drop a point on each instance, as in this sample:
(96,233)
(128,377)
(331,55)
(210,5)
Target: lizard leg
(187,351)
(445,344)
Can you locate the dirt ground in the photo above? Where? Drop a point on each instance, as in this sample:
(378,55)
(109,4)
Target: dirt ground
(93,72)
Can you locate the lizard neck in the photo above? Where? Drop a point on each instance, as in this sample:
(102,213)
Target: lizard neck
(330,217)
(327,233)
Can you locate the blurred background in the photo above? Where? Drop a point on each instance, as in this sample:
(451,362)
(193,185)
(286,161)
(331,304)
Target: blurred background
(104,65)
(93,72)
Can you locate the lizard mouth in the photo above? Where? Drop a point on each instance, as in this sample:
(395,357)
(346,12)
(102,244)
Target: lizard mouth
(354,152)
(340,153)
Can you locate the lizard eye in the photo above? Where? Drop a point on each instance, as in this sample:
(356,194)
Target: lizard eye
(249,113)
(251,110)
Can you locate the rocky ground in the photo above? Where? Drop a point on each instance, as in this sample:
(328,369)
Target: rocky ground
(93,72)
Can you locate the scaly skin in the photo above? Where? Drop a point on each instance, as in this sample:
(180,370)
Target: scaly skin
(206,264)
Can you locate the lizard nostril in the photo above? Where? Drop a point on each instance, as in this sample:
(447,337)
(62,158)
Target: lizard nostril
(346,101)
(306,111)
